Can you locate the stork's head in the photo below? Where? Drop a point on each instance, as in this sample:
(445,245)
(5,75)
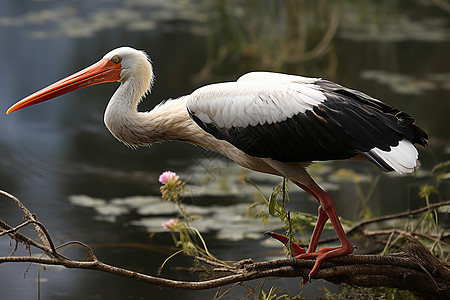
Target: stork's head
(133,64)
(121,64)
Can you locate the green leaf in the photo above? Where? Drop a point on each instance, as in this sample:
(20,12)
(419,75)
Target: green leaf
(273,204)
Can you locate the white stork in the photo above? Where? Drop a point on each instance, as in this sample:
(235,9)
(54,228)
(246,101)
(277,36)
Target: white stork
(268,122)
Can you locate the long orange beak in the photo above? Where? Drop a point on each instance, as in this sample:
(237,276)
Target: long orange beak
(102,71)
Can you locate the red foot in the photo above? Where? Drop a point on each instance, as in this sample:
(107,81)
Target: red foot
(284,239)
(320,255)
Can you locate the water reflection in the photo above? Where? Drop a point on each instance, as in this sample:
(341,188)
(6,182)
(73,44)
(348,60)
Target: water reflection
(61,149)
(86,19)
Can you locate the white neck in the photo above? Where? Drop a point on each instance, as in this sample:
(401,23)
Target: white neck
(167,121)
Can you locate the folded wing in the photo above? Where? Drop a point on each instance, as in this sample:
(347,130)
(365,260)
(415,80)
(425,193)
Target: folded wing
(295,119)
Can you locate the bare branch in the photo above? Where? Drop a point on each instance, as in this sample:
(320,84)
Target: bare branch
(387,217)
(39,228)
(408,234)
(414,264)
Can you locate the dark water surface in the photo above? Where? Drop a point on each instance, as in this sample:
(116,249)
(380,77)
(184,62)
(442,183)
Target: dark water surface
(61,161)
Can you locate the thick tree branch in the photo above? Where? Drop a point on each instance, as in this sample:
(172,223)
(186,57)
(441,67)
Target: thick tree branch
(413,264)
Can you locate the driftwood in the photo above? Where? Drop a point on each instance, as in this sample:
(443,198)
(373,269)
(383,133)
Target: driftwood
(413,268)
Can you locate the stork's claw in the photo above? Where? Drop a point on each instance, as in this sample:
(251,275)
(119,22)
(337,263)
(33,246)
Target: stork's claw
(284,239)
(297,249)
(324,253)
(320,255)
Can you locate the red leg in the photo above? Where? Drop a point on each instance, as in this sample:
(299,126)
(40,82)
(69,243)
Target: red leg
(317,232)
(327,211)
(326,206)
(322,218)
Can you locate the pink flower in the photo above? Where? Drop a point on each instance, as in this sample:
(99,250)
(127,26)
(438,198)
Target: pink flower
(171,224)
(168,176)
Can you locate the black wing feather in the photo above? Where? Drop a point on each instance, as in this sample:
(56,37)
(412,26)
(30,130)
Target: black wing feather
(347,123)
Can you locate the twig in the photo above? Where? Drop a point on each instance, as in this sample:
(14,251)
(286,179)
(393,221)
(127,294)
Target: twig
(398,215)
(12,232)
(41,230)
(405,233)
(22,238)
(388,217)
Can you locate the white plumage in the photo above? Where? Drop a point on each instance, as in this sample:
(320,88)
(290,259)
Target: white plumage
(403,158)
(259,101)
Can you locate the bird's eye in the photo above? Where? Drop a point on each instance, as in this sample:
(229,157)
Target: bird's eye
(116,59)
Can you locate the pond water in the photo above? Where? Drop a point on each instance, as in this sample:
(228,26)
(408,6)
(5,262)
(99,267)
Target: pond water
(61,161)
